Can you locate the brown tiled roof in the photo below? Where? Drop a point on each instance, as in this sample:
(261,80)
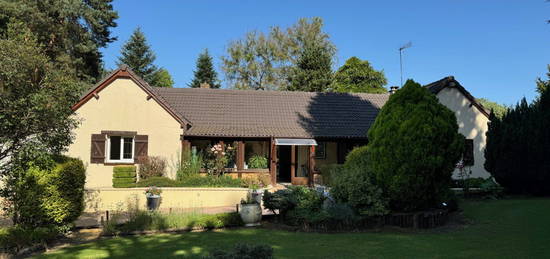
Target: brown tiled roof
(450,82)
(249,113)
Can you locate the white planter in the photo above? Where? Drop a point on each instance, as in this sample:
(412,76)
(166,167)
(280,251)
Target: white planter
(251,214)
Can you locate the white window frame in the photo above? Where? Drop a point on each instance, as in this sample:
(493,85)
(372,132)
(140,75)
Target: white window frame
(121,160)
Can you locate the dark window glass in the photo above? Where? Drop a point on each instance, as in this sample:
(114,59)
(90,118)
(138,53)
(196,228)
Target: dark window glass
(127,148)
(468,155)
(114,152)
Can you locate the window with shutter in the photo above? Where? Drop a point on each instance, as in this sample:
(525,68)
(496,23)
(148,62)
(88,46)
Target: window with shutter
(141,146)
(468,155)
(120,149)
(98,149)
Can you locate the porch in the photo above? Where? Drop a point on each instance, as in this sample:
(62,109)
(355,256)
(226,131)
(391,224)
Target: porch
(295,161)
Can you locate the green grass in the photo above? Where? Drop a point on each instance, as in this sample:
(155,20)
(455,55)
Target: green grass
(516,228)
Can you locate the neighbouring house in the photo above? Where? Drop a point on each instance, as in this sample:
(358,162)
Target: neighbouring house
(124,119)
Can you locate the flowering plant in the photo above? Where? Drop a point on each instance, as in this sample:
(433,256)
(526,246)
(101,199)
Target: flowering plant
(152,191)
(216,160)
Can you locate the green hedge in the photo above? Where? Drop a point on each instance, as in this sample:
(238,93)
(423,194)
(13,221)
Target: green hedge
(124,168)
(117,181)
(192,181)
(124,176)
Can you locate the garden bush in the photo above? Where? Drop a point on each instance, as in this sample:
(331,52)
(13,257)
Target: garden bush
(328,173)
(244,251)
(413,148)
(190,165)
(257,161)
(191,181)
(296,205)
(158,181)
(13,239)
(355,188)
(151,166)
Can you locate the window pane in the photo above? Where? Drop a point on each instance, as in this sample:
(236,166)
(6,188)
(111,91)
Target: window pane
(128,148)
(114,152)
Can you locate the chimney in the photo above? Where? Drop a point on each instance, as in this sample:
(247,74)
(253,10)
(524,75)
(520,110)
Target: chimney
(393,89)
(205,85)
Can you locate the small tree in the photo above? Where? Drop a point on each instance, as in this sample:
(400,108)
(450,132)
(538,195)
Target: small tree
(137,54)
(313,72)
(205,72)
(161,78)
(358,76)
(413,148)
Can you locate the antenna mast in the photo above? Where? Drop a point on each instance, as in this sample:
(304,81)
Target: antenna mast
(407,45)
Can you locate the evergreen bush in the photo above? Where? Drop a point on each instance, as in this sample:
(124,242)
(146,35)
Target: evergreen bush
(413,148)
(124,176)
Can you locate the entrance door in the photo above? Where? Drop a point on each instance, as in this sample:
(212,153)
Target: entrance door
(284,164)
(300,165)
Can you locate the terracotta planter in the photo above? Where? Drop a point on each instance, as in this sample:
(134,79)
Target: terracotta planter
(251,214)
(153,202)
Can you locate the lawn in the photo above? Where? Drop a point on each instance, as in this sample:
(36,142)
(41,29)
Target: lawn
(514,228)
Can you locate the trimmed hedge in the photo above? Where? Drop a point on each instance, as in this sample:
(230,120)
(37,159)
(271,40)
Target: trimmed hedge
(191,181)
(124,176)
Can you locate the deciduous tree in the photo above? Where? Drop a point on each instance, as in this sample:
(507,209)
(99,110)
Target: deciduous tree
(313,71)
(358,76)
(161,78)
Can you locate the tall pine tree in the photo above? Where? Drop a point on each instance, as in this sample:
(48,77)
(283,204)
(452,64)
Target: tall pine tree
(313,71)
(205,72)
(137,54)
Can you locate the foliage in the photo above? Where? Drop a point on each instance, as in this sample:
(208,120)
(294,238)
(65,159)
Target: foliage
(146,220)
(124,176)
(296,205)
(328,173)
(162,78)
(355,188)
(70,32)
(259,180)
(543,85)
(35,99)
(190,165)
(470,182)
(263,61)
(244,251)
(498,109)
(152,191)
(358,76)
(138,55)
(518,147)
(191,181)
(413,148)
(16,238)
(151,166)
(257,161)
(205,72)
(48,193)
(216,159)
(313,70)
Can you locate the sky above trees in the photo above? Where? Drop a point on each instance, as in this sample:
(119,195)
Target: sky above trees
(496,49)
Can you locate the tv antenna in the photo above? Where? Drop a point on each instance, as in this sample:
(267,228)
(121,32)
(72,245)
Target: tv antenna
(407,45)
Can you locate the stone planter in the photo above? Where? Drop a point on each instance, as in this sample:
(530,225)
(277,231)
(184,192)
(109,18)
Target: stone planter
(251,214)
(153,202)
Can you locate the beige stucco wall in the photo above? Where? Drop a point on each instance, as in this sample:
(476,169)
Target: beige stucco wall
(331,150)
(472,124)
(102,199)
(123,106)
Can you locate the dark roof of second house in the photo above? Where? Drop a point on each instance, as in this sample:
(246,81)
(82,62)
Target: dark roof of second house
(249,113)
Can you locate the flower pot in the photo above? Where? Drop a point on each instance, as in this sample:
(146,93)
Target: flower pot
(153,202)
(251,214)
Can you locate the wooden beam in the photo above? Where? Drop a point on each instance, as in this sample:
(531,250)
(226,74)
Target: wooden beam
(185,148)
(240,155)
(292,163)
(273,164)
(311,165)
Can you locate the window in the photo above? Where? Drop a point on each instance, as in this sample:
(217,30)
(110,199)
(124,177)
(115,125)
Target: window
(468,155)
(121,149)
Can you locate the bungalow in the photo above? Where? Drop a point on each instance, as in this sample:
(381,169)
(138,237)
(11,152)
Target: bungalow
(124,119)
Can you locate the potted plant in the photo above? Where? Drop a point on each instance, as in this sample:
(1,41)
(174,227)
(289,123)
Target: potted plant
(153,197)
(250,210)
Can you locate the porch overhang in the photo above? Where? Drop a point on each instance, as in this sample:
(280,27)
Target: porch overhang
(295,142)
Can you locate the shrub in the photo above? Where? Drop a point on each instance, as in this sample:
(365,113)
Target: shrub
(257,161)
(413,148)
(50,196)
(244,251)
(151,166)
(158,181)
(19,237)
(518,147)
(192,181)
(328,173)
(296,205)
(124,176)
(257,181)
(190,165)
(355,188)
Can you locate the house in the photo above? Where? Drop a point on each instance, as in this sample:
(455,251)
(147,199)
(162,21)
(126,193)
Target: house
(124,119)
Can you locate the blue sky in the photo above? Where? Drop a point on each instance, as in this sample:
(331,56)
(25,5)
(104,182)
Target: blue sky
(495,48)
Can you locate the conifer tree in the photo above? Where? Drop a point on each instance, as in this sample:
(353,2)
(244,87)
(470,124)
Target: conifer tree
(205,72)
(137,54)
(313,72)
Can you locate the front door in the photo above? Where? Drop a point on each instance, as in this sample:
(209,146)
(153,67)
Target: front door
(284,164)
(299,165)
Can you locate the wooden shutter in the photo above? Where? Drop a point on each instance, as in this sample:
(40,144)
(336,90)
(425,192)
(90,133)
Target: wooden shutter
(97,154)
(140,148)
